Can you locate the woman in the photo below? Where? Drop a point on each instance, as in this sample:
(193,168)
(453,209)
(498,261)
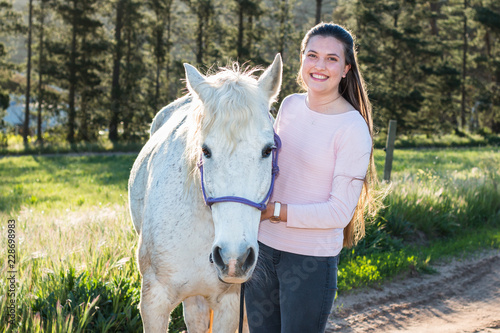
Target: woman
(320,194)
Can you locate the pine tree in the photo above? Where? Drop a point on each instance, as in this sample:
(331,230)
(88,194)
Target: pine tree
(464,63)
(5,10)
(203,11)
(319,3)
(247,11)
(486,61)
(135,120)
(26,130)
(395,51)
(83,55)
(10,25)
(41,14)
(161,16)
(115,84)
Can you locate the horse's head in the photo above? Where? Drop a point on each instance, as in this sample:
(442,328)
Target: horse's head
(233,140)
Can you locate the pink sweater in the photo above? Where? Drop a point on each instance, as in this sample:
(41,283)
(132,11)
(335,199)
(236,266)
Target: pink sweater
(321,158)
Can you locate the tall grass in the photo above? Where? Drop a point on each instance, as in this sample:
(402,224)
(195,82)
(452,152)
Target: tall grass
(441,203)
(457,192)
(73,267)
(76,269)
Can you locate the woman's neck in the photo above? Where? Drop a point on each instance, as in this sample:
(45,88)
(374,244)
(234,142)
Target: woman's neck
(328,104)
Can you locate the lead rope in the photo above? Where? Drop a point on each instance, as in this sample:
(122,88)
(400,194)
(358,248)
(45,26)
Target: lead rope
(211,324)
(242,307)
(242,312)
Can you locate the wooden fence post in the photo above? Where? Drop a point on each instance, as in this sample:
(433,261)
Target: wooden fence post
(389,150)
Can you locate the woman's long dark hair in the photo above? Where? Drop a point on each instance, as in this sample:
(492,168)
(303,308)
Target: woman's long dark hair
(353,89)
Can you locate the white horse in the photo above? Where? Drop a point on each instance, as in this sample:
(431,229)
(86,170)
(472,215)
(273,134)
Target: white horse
(223,123)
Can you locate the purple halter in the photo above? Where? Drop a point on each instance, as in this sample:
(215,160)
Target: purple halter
(262,205)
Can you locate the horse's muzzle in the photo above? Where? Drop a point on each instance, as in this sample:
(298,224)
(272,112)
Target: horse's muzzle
(234,269)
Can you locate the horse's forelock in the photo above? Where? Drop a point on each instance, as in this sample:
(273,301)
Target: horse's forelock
(231,102)
(234,69)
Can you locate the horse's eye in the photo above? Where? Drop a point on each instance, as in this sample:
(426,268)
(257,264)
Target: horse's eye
(206,152)
(266,152)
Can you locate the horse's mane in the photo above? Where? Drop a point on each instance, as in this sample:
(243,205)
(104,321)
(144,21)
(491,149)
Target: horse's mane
(228,108)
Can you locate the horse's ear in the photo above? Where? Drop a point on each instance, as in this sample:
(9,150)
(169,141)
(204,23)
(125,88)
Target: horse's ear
(270,81)
(194,80)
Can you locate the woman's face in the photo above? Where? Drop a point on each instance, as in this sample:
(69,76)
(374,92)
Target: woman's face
(323,65)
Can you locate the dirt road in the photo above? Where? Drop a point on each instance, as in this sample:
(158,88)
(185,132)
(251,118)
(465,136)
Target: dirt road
(464,296)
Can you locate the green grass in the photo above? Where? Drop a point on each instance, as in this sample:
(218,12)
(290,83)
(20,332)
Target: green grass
(63,183)
(441,162)
(57,144)
(373,268)
(481,139)
(76,244)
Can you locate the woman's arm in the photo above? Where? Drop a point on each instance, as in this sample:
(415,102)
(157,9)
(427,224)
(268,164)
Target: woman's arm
(352,159)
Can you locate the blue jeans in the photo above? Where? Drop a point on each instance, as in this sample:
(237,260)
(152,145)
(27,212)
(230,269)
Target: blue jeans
(290,292)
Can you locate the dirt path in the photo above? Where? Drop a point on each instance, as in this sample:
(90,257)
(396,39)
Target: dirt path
(463,297)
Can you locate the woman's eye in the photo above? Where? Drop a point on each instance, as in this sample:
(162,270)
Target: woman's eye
(206,152)
(311,55)
(332,59)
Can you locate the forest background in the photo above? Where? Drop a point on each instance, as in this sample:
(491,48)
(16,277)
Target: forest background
(104,68)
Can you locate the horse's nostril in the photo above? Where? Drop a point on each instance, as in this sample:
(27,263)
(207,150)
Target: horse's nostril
(233,266)
(250,259)
(217,257)
(245,256)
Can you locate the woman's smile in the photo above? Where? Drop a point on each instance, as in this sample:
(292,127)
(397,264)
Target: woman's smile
(320,77)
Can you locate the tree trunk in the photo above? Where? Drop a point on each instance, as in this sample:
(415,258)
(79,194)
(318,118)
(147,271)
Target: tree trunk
(464,67)
(28,79)
(83,132)
(72,79)
(250,36)
(488,42)
(167,60)
(40,76)
(239,45)
(435,10)
(115,89)
(318,11)
(159,60)
(394,58)
(283,32)
(199,52)
(127,109)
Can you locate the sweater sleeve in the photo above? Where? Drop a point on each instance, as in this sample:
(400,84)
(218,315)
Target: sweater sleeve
(351,163)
